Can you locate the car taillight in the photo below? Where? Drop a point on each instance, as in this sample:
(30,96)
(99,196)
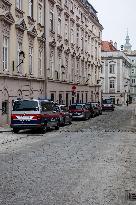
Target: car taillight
(37,117)
(13,117)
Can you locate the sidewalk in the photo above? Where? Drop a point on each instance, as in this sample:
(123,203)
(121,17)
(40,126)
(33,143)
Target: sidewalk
(5,128)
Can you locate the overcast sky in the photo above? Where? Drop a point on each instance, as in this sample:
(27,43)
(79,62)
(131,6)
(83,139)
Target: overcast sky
(116,16)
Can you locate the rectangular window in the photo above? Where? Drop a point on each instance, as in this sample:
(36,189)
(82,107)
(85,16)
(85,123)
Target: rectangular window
(66,30)
(132,71)
(112,70)
(133,80)
(31,8)
(5,52)
(40,14)
(19,48)
(40,62)
(51,21)
(112,84)
(19,4)
(59,26)
(72,35)
(30,60)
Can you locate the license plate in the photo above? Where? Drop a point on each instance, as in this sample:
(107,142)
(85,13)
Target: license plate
(24,117)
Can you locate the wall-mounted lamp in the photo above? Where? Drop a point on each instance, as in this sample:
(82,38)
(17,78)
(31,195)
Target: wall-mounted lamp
(21,57)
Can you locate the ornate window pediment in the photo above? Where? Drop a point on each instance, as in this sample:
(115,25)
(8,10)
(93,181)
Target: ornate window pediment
(32,31)
(21,25)
(7,17)
(41,37)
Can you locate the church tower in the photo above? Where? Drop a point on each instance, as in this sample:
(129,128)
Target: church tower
(127,45)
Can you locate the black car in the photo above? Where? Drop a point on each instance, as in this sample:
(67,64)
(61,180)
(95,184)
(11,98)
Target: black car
(92,108)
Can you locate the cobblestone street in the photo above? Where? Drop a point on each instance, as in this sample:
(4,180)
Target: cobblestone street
(87,163)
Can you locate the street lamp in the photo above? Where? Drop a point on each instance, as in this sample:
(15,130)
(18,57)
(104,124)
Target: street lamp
(21,57)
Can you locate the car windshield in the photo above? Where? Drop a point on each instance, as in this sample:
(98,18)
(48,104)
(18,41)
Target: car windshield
(25,105)
(75,107)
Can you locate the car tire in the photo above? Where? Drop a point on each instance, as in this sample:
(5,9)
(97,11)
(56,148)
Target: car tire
(16,130)
(57,127)
(43,130)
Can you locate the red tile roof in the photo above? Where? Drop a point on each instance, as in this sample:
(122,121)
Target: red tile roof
(107,46)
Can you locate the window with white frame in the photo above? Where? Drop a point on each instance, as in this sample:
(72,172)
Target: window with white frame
(51,63)
(112,68)
(71,6)
(40,62)
(51,21)
(19,4)
(132,71)
(112,84)
(5,52)
(72,35)
(31,8)
(59,26)
(19,49)
(82,39)
(77,37)
(40,13)
(30,60)
(133,80)
(66,30)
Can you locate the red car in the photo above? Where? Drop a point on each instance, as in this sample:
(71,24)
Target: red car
(79,111)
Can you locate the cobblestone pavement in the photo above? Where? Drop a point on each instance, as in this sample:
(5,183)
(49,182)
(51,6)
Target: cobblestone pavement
(87,163)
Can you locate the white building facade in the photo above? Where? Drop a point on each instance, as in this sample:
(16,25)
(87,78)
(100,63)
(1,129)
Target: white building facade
(132,58)
(115,76)
(73,51)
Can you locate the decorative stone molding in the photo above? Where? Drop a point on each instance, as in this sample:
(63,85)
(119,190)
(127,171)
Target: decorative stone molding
(31,21)
(67,51)
(21,25)
(7,17)
(32,31)
(41,37)
(5,5)
(5,29)
(52,1)
(61,47)
(20,35)
(19,13)
(52,43)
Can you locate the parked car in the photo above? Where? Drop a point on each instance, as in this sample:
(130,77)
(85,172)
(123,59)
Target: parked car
(98,107)
(33,114)
(65,116)
(107,105)
(79,111)
(91,107)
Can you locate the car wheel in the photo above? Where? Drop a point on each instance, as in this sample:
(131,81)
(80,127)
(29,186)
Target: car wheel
(43,130)
(57,126)
(16,130)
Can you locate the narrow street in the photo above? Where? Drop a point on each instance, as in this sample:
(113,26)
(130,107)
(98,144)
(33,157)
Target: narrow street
(87,163)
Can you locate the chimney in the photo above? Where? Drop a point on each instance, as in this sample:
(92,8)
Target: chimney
(115,45)
(111,42)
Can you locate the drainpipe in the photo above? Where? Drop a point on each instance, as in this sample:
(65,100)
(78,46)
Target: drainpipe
(45,57)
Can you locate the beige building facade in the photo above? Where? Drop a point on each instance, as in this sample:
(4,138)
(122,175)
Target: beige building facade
(22,34)
(73,51)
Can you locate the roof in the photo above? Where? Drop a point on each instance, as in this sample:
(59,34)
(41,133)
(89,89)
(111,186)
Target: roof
(107,46)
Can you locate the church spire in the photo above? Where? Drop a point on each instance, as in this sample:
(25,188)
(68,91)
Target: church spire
(127,45)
